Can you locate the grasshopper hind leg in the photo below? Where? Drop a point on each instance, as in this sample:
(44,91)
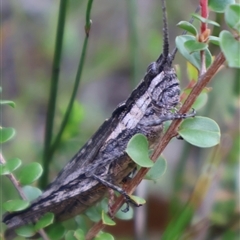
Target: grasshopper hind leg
(128,199)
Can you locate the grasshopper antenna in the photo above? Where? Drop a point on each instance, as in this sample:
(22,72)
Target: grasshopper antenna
(165,33)
(173,53)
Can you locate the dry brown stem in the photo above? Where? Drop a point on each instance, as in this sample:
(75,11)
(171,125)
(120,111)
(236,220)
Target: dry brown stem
(171,132)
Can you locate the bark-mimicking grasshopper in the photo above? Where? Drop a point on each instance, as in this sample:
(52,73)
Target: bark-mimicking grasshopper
(102,162)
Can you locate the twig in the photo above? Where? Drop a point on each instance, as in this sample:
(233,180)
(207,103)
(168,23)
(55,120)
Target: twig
(203,34)
(64,122)
(13,180)
(21,193)
(53,92)
(171,132)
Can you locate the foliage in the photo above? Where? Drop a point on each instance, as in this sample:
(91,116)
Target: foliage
(200,131)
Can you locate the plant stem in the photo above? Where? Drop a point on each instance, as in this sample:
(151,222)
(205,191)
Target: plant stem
(16,184)
(203,29)
(171,132)
(77,80)
(53,91)
(204,14)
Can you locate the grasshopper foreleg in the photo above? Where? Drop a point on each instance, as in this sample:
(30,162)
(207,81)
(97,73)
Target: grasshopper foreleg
(171,116)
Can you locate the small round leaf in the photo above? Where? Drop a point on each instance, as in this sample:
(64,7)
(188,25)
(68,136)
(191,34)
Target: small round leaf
(125,215)
(31,192)
(200,131)
(104,236)
(219,5)
(214,40)
(193,58)
(6,134)
(70,235)
(56,231)
(194,46)
(107,220)
(137,150)
(16,205)
(44,221)
(30,173)
(200,101)
(232,16)
(192,72)
(138,200)
(26,231)
(188,27)
(93,214)
(205,20)
(79,234)
(230,47)
(10,103)
(11,165)
(158,169)
(4,169)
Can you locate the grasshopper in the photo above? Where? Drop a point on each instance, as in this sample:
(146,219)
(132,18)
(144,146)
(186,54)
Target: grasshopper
(102,163)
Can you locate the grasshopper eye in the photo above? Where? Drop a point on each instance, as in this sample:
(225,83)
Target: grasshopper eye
(170,97)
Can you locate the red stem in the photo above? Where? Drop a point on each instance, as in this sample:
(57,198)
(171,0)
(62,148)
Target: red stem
(204,13)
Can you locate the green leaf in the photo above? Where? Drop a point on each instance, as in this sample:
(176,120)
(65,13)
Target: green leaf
(4,169)
(230,47)
(192,72)
(107,220)
(104,236)
(194,46)
(56,231)
(70,235)
(214,40)
(179,224)
(6,134)
(188,27)
(103,205)
(205,20)
(232,16)
(26,231)
(219,5)
(82,222)
(10,103)
(11,165)
(79,234)
(30,173)
(200,131)
(44,221)
(125,215)
(15,205)
(138,200)
(193,58)
(93,214)
(158,169)
(31,192)
(137,150)
(200,101)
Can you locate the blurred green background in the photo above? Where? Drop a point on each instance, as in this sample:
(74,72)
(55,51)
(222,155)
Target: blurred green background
(124,39)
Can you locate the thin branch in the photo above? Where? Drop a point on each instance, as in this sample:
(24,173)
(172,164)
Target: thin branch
(13,180)
(21,193)
(53,91)
(76,83)
(204,14)
(203,34)
(171,132)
